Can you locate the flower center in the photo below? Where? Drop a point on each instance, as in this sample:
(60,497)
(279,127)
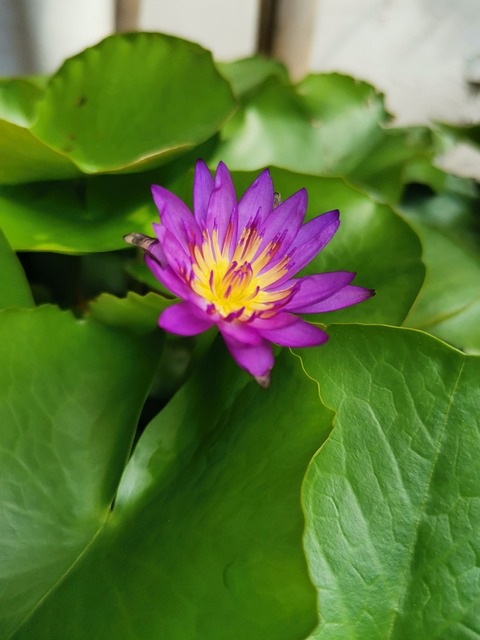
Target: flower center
(234,279)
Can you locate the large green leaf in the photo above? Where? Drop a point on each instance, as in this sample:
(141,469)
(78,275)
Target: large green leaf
(205,538)
(83,216)
(14,289)
(120,106)
(71,395)
(391,499)
(296,130)
(127,102)
(329,124)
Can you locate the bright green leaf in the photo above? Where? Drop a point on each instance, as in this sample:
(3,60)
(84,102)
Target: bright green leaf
(126,103)
(328,125)
(14,289)
(22,156)
(135,312)
(71,395)
(205,538)
(391,499)
(18,97)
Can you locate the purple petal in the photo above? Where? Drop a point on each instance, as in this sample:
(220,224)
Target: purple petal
(285,221)
(156,251)
(185,319)
(346,297)
(176,216)
(257,359)
(222,204)
(241,332)
(168,278)
(258,197)
(202,190)
(312,289)
(297,333)
(310,240)
(174,253)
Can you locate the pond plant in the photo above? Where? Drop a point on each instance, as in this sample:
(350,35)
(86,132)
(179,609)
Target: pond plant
(154,486)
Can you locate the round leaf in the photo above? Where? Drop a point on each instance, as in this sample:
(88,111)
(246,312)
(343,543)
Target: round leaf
(205,537)
(71,395)
(391,499)
(133,101)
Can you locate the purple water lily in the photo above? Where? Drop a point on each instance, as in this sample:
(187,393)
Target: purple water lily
(232,264)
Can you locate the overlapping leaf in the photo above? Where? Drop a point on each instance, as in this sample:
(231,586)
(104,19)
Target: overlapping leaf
(327,125)
(71,395)
(122,105)
(205,536)
(23,157)
(447,224)
(391,499)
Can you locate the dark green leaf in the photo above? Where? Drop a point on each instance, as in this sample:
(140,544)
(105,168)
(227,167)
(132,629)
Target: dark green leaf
(84,216)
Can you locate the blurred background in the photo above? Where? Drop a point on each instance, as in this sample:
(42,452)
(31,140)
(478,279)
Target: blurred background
(424,55)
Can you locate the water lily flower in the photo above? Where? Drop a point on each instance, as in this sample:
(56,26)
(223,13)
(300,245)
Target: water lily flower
(232,264)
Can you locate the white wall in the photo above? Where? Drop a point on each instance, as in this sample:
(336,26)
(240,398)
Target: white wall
(419,52)
(227,27)
(416,50)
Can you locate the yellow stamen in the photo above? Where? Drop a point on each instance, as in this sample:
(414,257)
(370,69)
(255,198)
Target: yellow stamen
(236,284)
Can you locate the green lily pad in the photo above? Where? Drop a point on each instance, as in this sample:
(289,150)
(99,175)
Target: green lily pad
(391,499)
(133,101)
(23,157)
(71,396)
(329,124)
(205,534)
